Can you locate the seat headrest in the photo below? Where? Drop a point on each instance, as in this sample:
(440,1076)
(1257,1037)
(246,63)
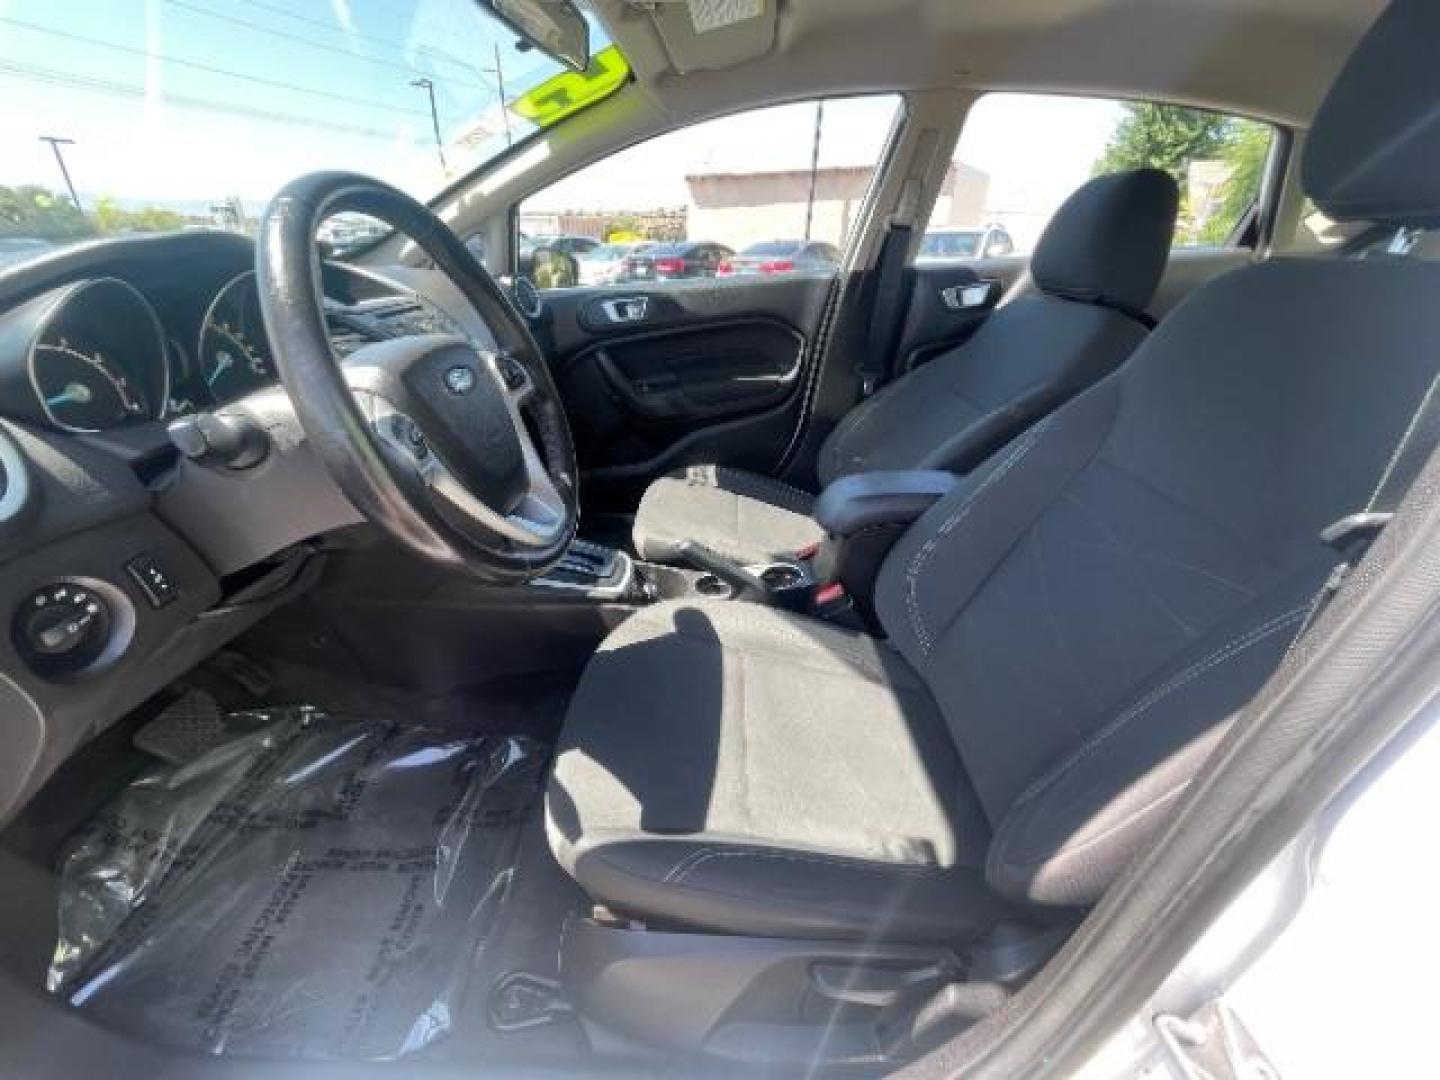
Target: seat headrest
(1373,153)
(1109,241)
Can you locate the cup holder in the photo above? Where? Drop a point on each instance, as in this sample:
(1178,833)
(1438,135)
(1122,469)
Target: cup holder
(712,586)
(780,576)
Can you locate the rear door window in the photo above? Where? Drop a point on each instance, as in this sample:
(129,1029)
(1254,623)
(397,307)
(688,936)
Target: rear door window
(1021,155)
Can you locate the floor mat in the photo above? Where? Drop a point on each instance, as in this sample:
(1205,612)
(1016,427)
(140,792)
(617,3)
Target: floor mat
(317,888)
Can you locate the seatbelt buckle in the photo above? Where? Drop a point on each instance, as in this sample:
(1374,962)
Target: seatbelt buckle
(869,384)
(1353,534)
(830,600)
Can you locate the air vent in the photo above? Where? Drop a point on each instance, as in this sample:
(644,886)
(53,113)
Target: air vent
(14,480)
(526,298)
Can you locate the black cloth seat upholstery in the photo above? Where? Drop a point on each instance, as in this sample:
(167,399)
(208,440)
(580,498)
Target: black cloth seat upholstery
(1094,270)
(1070,633)
(776,775)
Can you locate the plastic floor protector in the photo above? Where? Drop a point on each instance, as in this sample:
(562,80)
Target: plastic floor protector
(314,888)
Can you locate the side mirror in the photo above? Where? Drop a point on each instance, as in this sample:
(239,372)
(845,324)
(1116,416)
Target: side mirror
(553,269)
(555,27)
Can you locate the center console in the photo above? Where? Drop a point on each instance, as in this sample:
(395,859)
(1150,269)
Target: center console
(862,515)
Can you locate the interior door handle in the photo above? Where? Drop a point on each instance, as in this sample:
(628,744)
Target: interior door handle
(978,294)
(626,309)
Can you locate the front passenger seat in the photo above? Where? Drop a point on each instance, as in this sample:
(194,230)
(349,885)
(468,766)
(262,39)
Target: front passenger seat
(1095,269)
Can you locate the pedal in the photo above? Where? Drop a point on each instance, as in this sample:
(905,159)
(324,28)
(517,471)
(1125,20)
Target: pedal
(241,670)
(188,728)
(519,1001)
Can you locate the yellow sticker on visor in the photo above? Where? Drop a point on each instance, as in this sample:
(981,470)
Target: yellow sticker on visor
(570,91)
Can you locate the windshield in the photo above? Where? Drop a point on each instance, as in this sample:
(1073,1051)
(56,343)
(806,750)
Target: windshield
(126,116)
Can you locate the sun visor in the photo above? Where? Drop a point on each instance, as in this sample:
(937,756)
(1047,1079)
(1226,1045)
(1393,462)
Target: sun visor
(707,35)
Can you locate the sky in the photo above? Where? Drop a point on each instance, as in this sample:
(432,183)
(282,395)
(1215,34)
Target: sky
(1034,149)
(196,100)
(184,102)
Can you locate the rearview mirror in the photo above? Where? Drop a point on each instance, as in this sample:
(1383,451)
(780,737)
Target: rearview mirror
(555,27)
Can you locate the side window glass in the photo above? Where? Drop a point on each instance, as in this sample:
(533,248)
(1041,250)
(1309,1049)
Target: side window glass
(769,192)
(1021,155)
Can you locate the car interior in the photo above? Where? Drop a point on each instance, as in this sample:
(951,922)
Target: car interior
(410,665)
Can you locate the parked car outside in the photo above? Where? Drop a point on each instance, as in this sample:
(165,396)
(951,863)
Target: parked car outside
(990,242)
(682,259)
(603,265)
(782,257)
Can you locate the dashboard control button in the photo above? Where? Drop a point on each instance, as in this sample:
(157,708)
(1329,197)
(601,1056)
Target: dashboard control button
(157,585)
(61,629)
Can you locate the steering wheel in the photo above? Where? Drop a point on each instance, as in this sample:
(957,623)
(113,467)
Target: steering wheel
(460,453)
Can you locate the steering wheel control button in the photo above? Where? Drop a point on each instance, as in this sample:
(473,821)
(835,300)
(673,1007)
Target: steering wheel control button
(512,372)
(61,629)
(157,585)
(409,435)
(460,379)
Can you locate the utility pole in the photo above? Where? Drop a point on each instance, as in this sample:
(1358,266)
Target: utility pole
(429,87)
(499,73)
(56,142)
(814,166)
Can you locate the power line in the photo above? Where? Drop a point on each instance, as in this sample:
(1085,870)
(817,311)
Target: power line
(310,43)
(334,28)
(56,77)
(196,65)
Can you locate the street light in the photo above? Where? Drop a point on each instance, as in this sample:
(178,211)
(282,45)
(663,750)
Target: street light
(56,142)
(429,87)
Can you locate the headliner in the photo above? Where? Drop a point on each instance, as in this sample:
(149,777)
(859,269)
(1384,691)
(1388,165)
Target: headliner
(1266,58)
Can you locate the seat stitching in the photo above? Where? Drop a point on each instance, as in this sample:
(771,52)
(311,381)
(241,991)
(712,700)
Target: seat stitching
(1132,559)
(1402,444)
(691,863)
(922,557)
(1220,656)
(1067,849)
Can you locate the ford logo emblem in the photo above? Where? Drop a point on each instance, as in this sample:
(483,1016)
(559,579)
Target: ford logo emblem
(460,380)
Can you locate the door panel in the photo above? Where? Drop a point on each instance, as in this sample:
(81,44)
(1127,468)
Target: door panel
(655,377)
(948,302)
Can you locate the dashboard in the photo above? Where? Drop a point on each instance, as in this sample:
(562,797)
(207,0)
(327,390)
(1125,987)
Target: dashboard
(124,562)
(108,352)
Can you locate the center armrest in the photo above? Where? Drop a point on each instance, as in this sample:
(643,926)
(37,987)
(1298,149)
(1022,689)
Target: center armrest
(863,515)
(866,500)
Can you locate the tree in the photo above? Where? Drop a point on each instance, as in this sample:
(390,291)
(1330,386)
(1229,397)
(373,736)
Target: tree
(111,218)
(33,211)
(1165,137)
(1245,154)
(1172,138)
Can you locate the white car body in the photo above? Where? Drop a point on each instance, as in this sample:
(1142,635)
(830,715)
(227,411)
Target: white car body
(602,265)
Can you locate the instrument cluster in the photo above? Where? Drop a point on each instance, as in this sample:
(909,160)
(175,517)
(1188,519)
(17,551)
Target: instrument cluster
(95,355)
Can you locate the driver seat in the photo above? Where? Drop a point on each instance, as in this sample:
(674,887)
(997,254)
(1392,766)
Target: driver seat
(1068,634)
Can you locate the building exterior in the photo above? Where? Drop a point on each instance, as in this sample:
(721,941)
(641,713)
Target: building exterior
(743,208)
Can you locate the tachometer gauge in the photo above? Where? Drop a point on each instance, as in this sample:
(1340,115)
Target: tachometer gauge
(234,353)
(97,358)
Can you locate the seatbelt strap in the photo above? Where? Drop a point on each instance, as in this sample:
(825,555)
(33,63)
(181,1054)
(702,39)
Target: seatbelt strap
(885,313)
(1353,535)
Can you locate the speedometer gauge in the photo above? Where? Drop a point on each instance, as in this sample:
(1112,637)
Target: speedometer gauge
(97,360)
(234,353)
(82,388)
